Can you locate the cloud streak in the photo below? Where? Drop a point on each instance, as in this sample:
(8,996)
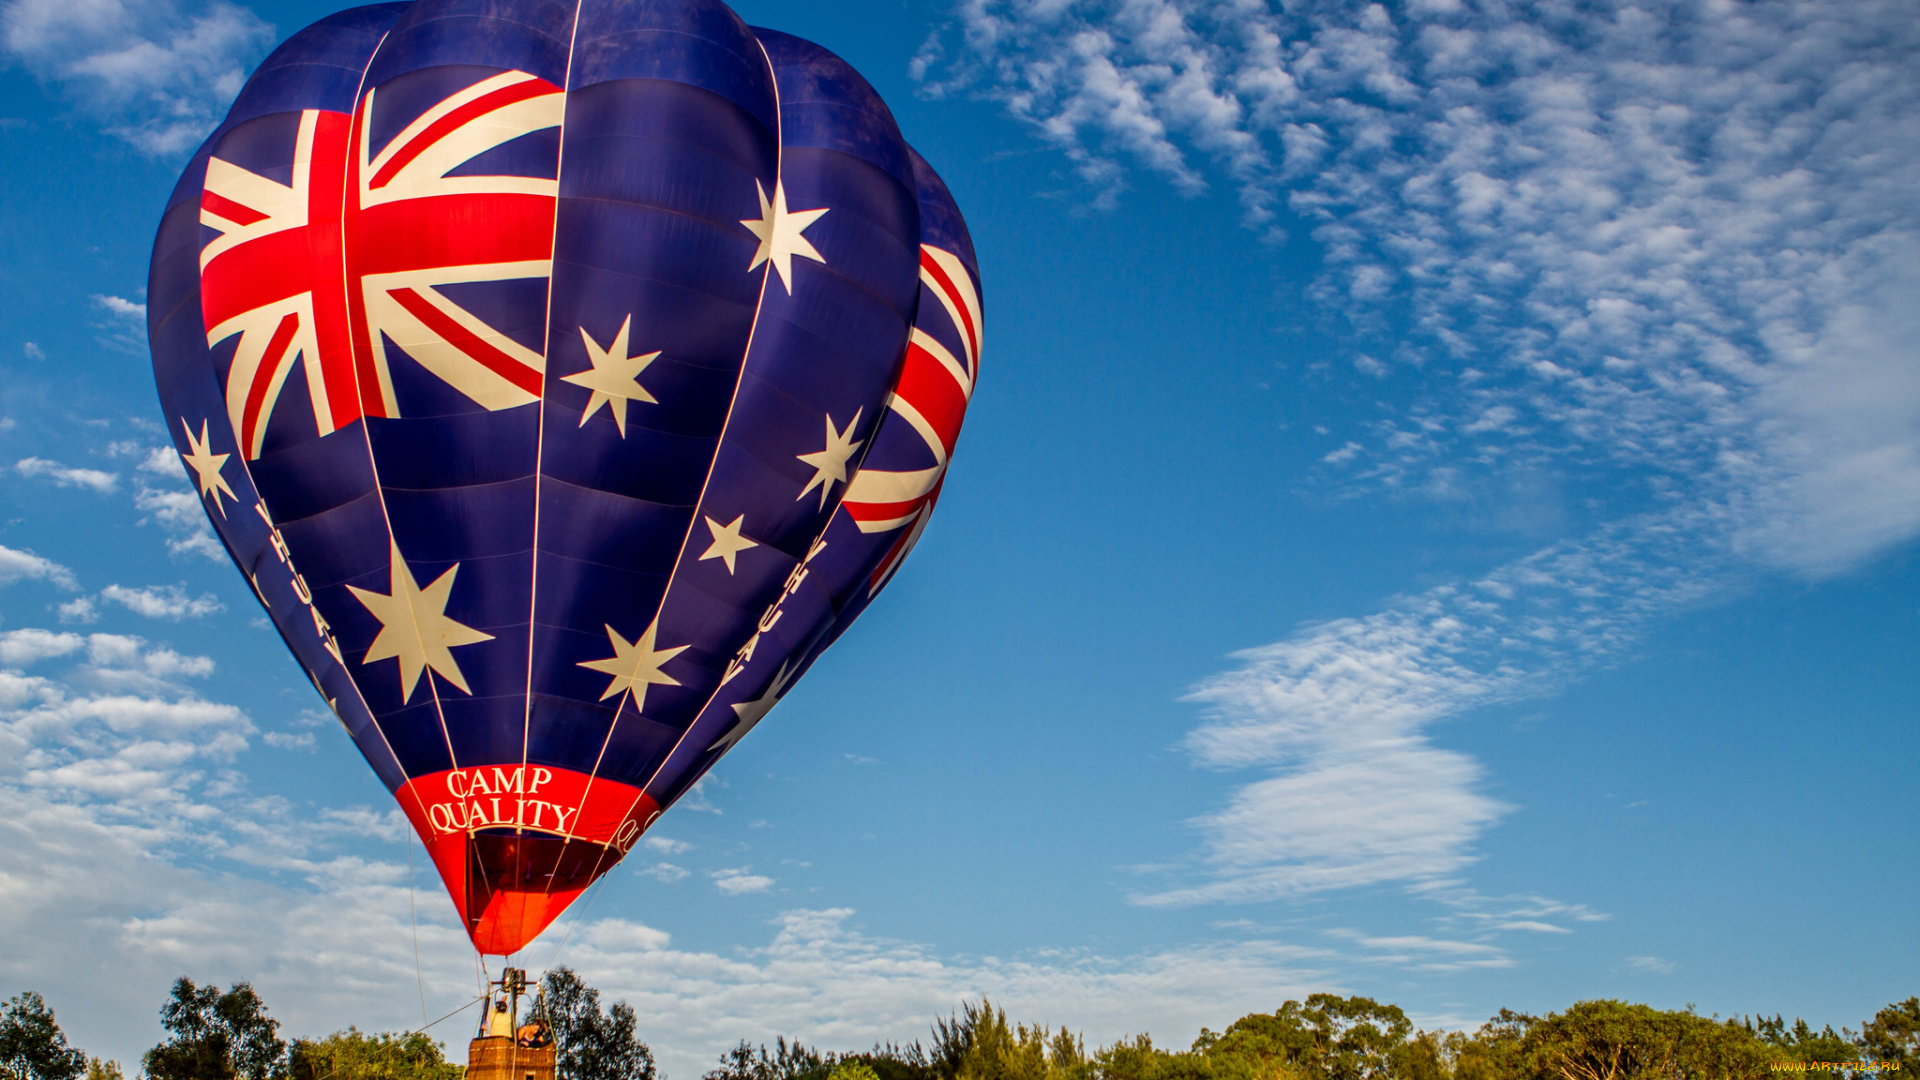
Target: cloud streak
(1656,250)
(18,565)
(151,857)
(156,74)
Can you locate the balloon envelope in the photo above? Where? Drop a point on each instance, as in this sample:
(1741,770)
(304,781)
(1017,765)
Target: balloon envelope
(564,377)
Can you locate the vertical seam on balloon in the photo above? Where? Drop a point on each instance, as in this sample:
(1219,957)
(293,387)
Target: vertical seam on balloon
(366,432)
(406,784)
(246,468)
(840,508)
(539,449)
(356,135)
(779,160)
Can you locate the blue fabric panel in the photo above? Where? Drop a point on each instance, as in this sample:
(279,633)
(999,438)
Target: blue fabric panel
(660,163)
(508,35)
(317,68)
(826,348)
(551,524)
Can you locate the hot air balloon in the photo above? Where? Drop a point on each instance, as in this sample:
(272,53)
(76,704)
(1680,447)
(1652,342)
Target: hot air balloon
(564,378)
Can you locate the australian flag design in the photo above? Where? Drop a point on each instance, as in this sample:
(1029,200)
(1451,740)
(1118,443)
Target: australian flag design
(565,378)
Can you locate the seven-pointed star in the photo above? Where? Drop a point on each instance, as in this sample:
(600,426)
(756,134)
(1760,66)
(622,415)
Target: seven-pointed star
(206,467)
(750,712)
(779,231)
(637,665)
(614,377)
(830,464)
(415,628)
(727,541)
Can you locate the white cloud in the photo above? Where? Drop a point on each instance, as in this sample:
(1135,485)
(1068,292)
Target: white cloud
(1676,247)
(665,871)
(63,476)
(163,601)
(282,740)
(738,880)
(1667,260)
(156,73)
(34,352)
(1338,714)
(126,309)
(179,511)
(149,859)
(18,648)
(1650,965)
(81,610)
(666,846)
(162,461)
(26,566)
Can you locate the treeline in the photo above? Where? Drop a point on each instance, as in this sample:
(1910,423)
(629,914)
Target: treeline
(1335,1038)
(228,1035)
(215,1034)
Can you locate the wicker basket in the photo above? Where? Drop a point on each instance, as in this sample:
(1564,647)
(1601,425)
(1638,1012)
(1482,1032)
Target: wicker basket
(497,1058)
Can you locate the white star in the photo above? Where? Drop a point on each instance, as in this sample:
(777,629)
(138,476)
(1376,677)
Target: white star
(727,541)
(614,377)
(779,231)
(635,666)
(206,467)
(414,627)
(830,464)
(750,712)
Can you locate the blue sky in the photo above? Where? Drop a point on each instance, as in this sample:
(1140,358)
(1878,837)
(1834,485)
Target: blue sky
(1438,522)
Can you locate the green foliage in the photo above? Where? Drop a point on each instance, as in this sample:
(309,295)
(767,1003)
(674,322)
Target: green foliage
(1613,1040)
(350,1055)
(592,1044)
(1892,1037)
(32,1046)
(979,1044)
(1800,1042)
(1328,1038)
(789,1061)
(853,1069)
(216,1036)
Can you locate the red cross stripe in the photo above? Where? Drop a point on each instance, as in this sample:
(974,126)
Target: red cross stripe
(351,255)
(931,396)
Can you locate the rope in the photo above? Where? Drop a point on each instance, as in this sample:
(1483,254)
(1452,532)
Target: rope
(413,909)
(449,1016)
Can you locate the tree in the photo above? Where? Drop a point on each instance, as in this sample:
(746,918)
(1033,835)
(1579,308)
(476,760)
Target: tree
(789,1061)
(990,1048)
(32,1046)
(591,1044)
(1327,1038)
(1893,1036)
(216,1036)
(1801,1043)
(350,1055)
(1612,1040)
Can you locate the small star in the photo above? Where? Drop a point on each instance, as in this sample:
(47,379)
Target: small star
(727,541)
(206,467)
(614,377)
(830,464)
(779,231)
(635,666)
(750,712)
(414,627)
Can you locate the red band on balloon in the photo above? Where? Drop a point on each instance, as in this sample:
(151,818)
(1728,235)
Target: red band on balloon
(516,844)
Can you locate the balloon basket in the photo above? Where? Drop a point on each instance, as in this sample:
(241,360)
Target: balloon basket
(497,1057)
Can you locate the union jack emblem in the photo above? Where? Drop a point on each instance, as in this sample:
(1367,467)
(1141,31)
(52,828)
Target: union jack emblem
(931,396)
(353,254)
